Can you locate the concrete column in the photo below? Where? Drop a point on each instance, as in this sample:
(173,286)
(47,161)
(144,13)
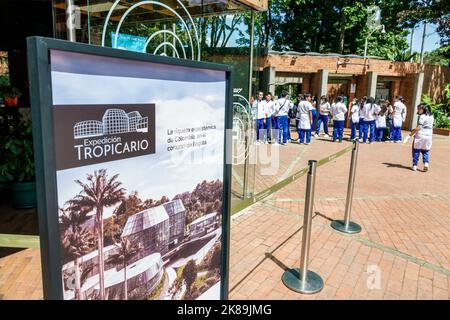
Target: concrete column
(372,85)
(323,82)
(417,98)
(268,79)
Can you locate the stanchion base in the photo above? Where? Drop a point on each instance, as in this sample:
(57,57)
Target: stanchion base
(339,225)
(313,284)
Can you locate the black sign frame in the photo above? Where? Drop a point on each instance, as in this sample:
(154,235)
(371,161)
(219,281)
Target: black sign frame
(39,69)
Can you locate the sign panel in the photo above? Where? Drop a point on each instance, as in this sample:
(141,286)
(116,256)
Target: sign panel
(130,155)
(129,42)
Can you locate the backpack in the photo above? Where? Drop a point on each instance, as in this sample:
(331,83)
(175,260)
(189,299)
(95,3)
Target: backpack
(293,112)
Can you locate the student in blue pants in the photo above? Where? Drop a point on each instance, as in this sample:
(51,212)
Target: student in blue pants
(338,110)
(354,119)
(313,114)
(380,123)
(423,136)
(324,111)
(282,107)
(305,117)
(369,111)
(260,112)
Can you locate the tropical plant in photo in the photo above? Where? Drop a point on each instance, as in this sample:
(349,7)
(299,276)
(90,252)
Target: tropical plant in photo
(76,242)
(127,250)
(441,110)
(97,193)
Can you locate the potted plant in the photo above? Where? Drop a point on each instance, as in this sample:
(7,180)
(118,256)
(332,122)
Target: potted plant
(17,165)
(10,96)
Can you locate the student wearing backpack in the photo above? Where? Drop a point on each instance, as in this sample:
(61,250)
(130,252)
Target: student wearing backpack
(282,107)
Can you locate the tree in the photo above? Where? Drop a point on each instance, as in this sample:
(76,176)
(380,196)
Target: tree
(97,193)
(190,273)
(127,251)
(76,241)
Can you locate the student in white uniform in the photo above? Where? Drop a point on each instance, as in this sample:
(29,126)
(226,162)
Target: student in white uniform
(399,117)
(338,111)
(304,115)
(282,107)
(361,119)
(380,123)
(354,119)
(270,120)
(324,111)
(260,112)
(423,137)
(370,109)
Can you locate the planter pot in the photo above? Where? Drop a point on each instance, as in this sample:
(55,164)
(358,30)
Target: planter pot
(23,195)
(444,132)
(11,102)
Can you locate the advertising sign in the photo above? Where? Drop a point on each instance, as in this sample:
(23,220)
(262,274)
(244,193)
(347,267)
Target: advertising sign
(131,176)
(129,42)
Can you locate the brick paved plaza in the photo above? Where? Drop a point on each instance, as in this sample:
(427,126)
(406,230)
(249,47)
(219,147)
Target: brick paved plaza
(402,253)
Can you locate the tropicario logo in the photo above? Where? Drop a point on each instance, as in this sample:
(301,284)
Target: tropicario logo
(114,121)
(92,134)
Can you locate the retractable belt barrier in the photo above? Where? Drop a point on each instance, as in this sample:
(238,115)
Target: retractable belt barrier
(276,187)
(303,280)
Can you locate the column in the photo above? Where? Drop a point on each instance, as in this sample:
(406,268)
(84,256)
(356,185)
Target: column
(323,82)
(372,85)
(417,98)
(268,79)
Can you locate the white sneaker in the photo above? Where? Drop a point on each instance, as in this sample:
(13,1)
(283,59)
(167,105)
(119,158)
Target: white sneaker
(307,143)
(266,142)
(326,136)
(387,141)
(316,135)
(425,167)
(256,143)
(414,168)
(360,140)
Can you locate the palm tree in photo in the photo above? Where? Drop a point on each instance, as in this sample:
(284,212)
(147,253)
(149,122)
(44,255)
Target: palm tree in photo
(97,193)
(76,241)
(127,250)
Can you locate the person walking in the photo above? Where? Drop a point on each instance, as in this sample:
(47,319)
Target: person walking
(338,111)
(324,111)
(423,137)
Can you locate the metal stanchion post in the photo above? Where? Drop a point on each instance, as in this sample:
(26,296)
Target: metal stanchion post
(303,280)
(346,225)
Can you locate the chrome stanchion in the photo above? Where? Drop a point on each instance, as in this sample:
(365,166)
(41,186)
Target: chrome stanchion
(303,280)
(346,225)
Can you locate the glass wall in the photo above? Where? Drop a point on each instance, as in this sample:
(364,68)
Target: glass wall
(205,30)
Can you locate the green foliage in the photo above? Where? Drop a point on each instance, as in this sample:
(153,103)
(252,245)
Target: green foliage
(340,26)
(17,158)
(7,92)
(439,56)
(441,110)
(190,273)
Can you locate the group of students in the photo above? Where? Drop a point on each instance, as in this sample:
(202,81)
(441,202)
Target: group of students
(374,122)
